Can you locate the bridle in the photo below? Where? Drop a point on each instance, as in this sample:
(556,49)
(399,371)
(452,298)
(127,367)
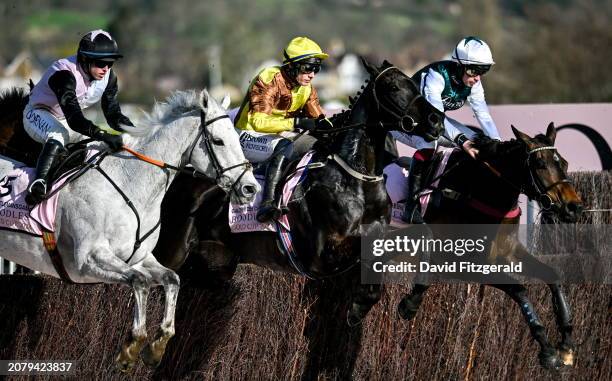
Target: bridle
(206,137)
(405,121)
(540,190)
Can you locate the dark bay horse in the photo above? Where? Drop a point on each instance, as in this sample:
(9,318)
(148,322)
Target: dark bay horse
(14,141)
(482,192)
(331,208)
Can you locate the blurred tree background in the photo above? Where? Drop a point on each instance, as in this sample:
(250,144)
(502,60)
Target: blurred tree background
(545,50)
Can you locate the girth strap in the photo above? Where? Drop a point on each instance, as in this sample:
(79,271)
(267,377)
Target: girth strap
(344,165)
(480,206)
(129,203)
(51,246)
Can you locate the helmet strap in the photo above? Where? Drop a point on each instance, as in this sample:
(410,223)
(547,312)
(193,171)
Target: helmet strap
(85,64)
(291,70)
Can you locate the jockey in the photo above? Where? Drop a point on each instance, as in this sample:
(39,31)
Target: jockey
(56,102)
(447,85)
(279,101)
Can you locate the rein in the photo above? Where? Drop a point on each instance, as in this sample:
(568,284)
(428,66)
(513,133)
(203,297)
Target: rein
(403,118)
(400,115)
(185,159)
(94,162)
(540,190)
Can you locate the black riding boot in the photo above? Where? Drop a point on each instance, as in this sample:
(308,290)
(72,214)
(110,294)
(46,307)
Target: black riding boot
(412,207)
(269,209)
(38,188)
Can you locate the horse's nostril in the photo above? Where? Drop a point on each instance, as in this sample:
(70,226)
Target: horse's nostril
(249,190)
(574,207)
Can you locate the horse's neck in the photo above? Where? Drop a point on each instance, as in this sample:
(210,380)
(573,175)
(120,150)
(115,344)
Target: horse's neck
(166,144)
(361,149)
(501,190)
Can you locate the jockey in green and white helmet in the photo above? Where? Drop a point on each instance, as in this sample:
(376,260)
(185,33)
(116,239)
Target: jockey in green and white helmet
(447,85)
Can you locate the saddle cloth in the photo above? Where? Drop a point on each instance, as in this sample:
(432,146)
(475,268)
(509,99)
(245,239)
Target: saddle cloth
(242,218)
(16,214)
(397,187)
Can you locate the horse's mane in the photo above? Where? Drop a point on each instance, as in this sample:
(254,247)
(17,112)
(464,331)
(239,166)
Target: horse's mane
(178,104)
(13,101)
(13,97)
(490,148)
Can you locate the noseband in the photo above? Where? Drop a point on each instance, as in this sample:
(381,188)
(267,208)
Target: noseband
(540,189)
(405,121)
(207,138)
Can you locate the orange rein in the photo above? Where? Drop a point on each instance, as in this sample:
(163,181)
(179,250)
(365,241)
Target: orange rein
(145,158)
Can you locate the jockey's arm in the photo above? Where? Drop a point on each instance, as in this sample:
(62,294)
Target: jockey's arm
(481,111)
(312,108)
(110,105)
(263,97)
(272,124)
(432,86)
(63,84)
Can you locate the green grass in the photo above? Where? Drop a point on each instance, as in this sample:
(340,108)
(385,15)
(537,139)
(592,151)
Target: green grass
(67,19)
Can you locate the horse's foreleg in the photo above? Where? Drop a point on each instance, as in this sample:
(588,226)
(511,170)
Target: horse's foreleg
(410,303)
(154,352)
(132,347)
(364,298)
(548,354)
(106,267)
(564,324)
(535,268)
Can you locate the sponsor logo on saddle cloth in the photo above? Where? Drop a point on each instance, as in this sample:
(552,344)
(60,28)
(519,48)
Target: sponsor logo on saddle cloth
(397,188)
(16,214)
(242,218)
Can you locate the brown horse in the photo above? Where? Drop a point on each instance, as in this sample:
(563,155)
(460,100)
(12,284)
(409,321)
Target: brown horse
(483,192)
(14,141)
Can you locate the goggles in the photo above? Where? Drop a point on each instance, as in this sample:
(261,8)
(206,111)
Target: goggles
(475,70)
(102,64)
(306,68)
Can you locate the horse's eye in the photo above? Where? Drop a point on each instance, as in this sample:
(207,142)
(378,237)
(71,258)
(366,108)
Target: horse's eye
(540,164)
(218,142)
(393,88)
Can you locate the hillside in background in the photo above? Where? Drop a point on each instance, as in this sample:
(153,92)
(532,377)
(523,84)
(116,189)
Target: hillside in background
(545,50)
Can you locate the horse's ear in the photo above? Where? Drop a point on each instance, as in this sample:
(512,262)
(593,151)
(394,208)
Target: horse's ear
(225,102)
(551,132)
(373,70)
(204,99)
(520,135)
(386,64)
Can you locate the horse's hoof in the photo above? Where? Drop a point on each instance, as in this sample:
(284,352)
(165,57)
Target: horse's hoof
(567,356)
(152,354)
(406,309)
(353,317)
(352,320)
(550,360)
(127,358)
(124,364)
(149,358)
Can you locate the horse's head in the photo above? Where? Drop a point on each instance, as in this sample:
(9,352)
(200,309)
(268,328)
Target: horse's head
(546,175)
(401,102)
(217,152)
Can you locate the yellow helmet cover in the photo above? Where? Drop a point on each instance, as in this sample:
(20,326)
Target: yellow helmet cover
(301,48)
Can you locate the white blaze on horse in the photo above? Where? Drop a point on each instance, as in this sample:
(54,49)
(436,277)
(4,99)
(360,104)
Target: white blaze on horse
(96,230)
